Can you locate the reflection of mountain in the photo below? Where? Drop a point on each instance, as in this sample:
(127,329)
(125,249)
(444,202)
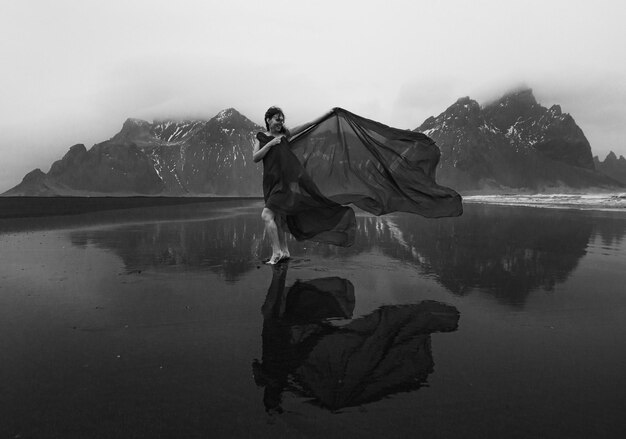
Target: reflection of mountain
(505,251)
(611,231)
(385,352)
(226,246)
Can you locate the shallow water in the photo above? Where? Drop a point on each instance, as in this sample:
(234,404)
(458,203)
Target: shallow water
(505,322)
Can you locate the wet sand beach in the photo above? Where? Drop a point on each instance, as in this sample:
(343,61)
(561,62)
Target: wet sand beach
(161,321)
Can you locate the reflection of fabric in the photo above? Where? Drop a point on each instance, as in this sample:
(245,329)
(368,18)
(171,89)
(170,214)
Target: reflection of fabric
(289,192)
(340,366)
(378,168)
(383,353)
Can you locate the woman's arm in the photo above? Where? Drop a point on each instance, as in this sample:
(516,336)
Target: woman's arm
(300,128)
(258,153)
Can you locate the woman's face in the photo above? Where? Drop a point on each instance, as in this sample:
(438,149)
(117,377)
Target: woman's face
(275,124)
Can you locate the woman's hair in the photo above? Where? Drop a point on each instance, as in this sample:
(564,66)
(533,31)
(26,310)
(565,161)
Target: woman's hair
(271,112)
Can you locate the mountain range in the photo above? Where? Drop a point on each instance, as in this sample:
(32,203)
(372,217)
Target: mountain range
(165,157)
(511,144)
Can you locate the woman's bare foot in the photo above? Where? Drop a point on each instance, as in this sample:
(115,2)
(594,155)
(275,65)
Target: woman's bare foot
(278,257)
(275,259)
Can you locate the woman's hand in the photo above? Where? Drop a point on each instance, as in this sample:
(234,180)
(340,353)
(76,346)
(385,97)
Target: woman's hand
(274,141)
(258,153)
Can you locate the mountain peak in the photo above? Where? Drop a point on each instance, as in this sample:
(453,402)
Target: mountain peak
(513,107)
(132,129)
(463,108)
(227,113)
(231,118)
(466,102)
(613,167)
(555,110)
(133,122)
(34,175)
(522,96)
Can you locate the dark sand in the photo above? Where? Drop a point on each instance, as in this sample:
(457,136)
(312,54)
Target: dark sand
(146,323)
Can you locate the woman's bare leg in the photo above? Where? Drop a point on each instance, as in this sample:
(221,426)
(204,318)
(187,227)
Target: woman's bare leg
(282,240)
(272,231)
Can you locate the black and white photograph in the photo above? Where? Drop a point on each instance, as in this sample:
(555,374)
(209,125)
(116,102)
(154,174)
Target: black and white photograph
(312,219)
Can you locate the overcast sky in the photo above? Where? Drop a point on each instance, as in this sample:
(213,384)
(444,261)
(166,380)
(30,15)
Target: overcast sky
(73,70)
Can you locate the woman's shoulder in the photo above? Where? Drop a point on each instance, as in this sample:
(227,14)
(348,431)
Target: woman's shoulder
(261,135)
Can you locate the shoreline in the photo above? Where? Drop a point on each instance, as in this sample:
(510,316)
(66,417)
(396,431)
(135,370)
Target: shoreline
(32,207)
(20,207)
(608,202)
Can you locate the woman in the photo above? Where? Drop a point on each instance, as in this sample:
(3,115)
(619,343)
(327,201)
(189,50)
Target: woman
(292,201)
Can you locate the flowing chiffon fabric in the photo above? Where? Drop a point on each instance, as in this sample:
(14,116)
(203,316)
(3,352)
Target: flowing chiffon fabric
(347,159)
(375,167)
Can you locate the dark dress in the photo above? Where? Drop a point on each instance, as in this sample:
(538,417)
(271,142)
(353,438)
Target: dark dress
(293,196)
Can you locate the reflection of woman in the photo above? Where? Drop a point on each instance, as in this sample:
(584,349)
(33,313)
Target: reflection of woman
(362,361)
(292,200)
(292,326)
